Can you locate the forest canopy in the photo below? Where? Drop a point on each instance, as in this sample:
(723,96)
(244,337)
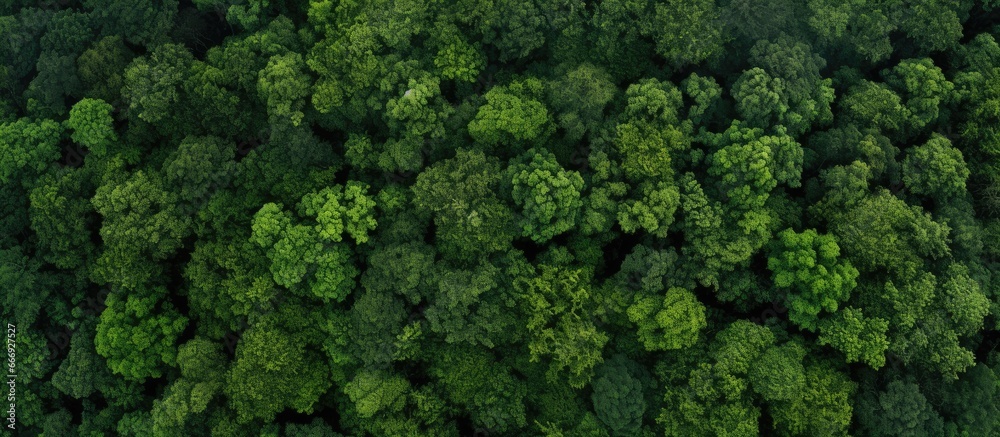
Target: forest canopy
(501,218)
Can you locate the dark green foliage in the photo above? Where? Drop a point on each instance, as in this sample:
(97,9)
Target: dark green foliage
(618,400)
(501,217)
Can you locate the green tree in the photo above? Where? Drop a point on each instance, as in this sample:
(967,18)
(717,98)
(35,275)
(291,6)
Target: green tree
(101,69)
(618,400)
(925,89)
(558,302)
(153,85)
(27,148)
(83,372)
(92,125)
(137,334)
(62,217)
(874,105)
(673,322)
(303,251)
(778,374)
(491,392)
(808,264)
(860,338)
(882,231)
(579,98)
(460,193)
(284,86)
(145,22)
(278,366)
(899,410)
(784,87)
(822,407)
(935,169)
(141,223)
(686,32)
(548,194)
(512,115)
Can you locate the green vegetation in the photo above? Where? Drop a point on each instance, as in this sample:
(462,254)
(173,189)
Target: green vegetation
(502,218)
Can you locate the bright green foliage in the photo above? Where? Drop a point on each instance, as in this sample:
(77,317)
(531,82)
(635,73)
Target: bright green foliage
(823,407)
(860,338)
(137,334)
(739,345)
(749,165)
(284,86)
(653,212)
(651,132)
(557,301)
(341,210)
(646,150)
(705,92)
(419,111)
(298,251)
(935,169)
(457,58)
(744,173)
(548,194)
(808,264)
(91,122)
(673,322)
(28,147)
(511,115)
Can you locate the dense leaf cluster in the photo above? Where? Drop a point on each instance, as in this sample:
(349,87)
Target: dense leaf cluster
(504,217)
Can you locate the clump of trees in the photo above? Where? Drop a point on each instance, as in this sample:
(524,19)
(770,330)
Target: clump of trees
(608,218)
